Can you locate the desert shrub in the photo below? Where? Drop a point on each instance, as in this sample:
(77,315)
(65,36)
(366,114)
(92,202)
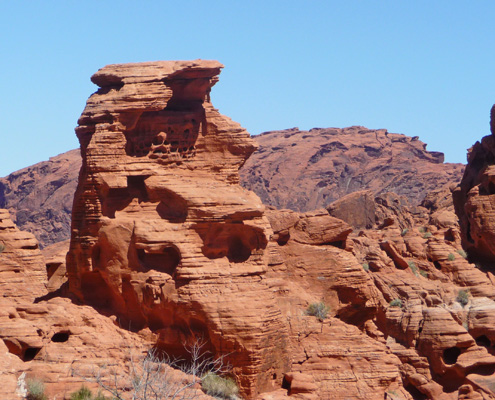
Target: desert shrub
(451,257)
(396,303)
(2,247)
(462,297)
(404,232)
(427,235)
(413,267)
(219,387)
(318,310)
(366,267)
(82,394)
(35,390)
(422,229)
(423,273)
(462,253)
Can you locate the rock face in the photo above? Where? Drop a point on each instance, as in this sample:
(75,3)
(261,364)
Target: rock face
(474,199)
(40,197)
(305,170)
(163,236)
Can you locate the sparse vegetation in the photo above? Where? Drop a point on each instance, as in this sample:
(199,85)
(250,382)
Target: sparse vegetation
(396,303)
(2,247)
(427,235)
(413,267)
(451,257)
(462,297)
(366,267)
(219,387)
(422,229)
(35,390)
(404,232)
(319,310)
(462,253)
(85,394)
(423,273)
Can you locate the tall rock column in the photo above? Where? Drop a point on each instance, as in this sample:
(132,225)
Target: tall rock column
(162,234)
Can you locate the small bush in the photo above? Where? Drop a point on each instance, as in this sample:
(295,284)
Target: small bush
(423,273)
(422,229)
(413,267)
(219,387)
(35,390)
(396,303)
(366,267)
(451,257)
(2,247)
(427,235)
(318,310)
(462,297)
(82,394)
(404,232)
(462,253)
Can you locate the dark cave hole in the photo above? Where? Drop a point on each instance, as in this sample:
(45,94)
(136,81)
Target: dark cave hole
(60,337)
(437,265)
(451,355)
(30,353)
(283,238)
(165,261)
(415,393)
(449,236)
(483,341)
(137,187)
(238,252)
(286,385)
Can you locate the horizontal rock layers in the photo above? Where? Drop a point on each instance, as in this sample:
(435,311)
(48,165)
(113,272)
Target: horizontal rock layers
(163,236)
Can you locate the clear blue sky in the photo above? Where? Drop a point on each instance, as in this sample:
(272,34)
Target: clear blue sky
(422,68)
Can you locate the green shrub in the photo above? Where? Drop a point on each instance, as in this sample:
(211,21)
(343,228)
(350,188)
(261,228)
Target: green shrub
(82,394)
(396,303)
(462,297)
(422,229)
(423,273)
(318,310)
(219,387)
(462,253)
(2,247)
(366,267)
(451,257)
(427,235)
(413,267)
(35,390)
(404,232)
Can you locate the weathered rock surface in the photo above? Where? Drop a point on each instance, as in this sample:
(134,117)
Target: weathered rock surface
(40,197)
(305,170)
(474,199)
(163,236)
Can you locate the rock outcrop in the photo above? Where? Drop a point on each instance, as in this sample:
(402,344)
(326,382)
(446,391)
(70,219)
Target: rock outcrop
(39,198)
(474,199)
(163,235)
(305,170)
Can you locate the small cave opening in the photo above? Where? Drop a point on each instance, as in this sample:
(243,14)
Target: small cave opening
(449,236)
(483,341)
(238,252)
(286,385)
(415,393)
(437,265)
(451,355)
(30,353)
(283,238)
(166,260)
(137,187)
(60,337)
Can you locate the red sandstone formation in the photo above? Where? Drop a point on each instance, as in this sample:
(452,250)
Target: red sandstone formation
(305,170)
(162,234)
(475,199)
(40,197)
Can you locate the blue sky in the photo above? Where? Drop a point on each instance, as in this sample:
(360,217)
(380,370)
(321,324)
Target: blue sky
(422,68)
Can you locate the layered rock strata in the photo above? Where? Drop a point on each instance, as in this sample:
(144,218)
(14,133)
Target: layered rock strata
(163,236)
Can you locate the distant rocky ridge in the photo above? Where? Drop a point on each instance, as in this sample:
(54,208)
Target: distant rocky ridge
(299,170)
(304,170)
